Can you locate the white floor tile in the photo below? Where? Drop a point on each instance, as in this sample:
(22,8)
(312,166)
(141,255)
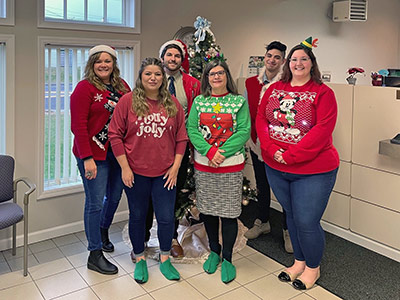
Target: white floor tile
(61,284)
(78,260)
(121,288)
(247,251)
(72,249)
(269,287)
(49,255)
(265,262)
(66,239)
(247,271)
(181,290)
(22,292)
(4,268)
(19,252)
(239,293)
(13,279)
(85,294)
(210,285)
(18,263)
(42,246)
(50,268)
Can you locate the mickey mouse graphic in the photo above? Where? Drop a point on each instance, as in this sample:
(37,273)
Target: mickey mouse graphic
(285,114)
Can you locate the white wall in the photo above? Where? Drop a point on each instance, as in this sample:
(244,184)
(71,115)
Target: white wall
(242,28)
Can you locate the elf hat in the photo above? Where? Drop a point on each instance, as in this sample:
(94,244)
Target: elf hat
(103,48)
(176,43)
(309,43)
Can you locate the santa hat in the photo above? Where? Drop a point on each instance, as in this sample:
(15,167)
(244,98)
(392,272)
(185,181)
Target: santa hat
(309,43)
(183,47)
(103,48)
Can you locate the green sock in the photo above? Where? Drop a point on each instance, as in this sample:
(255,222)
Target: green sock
(228,271)
(141,274)
(169,271)
(212,262)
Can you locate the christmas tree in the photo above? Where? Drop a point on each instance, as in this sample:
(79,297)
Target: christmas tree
(204,48)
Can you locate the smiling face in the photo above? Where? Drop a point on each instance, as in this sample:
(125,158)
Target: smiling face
(273,60)
(172,60)
(103,67)
(217,80)
(300,65)
(152,78)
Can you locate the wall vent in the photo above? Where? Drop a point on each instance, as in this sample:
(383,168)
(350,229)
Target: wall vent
(350,10)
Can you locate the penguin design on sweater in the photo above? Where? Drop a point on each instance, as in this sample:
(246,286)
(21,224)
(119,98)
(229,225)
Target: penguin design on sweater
(285,115)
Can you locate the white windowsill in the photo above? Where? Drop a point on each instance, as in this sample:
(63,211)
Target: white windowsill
(61,191)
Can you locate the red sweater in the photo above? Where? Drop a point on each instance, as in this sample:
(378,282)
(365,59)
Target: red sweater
(150,143)
(299,120)
(88,117)
(253,88)
(192,88)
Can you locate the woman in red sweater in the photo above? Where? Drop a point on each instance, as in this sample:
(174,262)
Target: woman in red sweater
(148,137)
(92,106)
(294,123)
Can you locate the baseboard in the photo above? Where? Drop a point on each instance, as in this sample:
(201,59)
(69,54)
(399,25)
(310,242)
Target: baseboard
(354,237)
(57,231)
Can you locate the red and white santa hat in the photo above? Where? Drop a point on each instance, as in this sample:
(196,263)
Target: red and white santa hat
(103,48)
(178,43)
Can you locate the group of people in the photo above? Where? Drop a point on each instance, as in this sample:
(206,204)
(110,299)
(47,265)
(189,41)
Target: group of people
(141,141)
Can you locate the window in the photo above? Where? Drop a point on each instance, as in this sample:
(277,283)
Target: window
(7,66)
(98,15)
(7,12)
(62,68)
(2,97)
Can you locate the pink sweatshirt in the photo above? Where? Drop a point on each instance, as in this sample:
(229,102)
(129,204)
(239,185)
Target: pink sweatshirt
(150,143)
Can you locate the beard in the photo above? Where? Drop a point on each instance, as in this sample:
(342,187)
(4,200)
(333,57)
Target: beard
(172,68)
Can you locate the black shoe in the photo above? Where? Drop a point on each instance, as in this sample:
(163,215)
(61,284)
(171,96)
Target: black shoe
(97,262)
(107,245)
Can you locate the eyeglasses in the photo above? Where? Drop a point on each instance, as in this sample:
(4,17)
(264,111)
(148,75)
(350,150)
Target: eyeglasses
(219,73)
(302,60)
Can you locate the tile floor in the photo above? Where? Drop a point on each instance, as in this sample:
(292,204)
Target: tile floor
(57,270)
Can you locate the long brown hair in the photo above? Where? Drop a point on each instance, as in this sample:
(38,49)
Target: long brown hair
(115,79)
(314,72)
(139,103)
(205,85)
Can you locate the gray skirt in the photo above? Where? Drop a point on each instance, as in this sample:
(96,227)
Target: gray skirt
(219,194)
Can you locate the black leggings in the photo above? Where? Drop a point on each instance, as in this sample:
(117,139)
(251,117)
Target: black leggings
(229,233)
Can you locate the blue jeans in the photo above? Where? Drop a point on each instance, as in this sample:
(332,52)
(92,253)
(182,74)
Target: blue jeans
(113,193)
(304,198)
(163,204)
(97,192)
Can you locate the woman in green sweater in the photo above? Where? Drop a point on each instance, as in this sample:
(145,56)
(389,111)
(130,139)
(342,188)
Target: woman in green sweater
(218,128)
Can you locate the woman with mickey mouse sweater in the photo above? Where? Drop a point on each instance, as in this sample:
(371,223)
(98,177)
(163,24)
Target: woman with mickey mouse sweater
(294,123)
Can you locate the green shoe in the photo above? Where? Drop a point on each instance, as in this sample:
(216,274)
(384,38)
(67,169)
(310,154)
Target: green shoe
(228,271)
(169,271)
(212,262)
(141,274)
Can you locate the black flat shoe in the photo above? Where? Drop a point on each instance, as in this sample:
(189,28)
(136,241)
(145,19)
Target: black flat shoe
(285,276)
(298,284)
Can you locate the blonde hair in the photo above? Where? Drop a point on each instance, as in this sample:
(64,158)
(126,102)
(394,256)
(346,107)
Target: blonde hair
(139,104)
(115,79)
